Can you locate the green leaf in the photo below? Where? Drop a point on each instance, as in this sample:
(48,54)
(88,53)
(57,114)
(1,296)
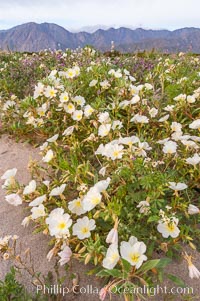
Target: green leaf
(148,266)
(163,263)
(114,272)
(153,218)
(176,280)
(126,265)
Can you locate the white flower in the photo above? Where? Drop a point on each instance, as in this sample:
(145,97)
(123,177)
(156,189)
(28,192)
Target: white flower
(39,89)
(13,199)
(80,100)
(177,136)
(64,97)
(105,84)
(112,257)
(116,74)
(70,73)
(170,147)
(102,185)
(42,110)
(129,140)
(193,160)
(193,272)
(104,117)
(26,221)
(52,74)
(8,176)
(133,253)
(68,131)
(46,183)
(180,97)
(38,201)
(51,253)
(141,149)
(102,171)
(123,104)
(164,118)
(153,112)
(135,99)
(76,206)
(76,70)
(177,186)
(134,90)
(69,108)
(104,130)
(38,212)
(169,108)
(117,124)
(77,115)
(112,237)
(176,127)
(93,83)
(195,124)
(58,190)
(50,92)
(48,157)
(168,229)
(88,110)
(132,79)
(83,227)
(140,119)
(8,104)
(5,240)
(30,188)
(148,86)
(115,151)
(192,209)
(190,144)
(53,139)
(126,72)
(91,199)
(44,146)
(10,173)
(191,99)
(59,223)
(65,255)
(144,207)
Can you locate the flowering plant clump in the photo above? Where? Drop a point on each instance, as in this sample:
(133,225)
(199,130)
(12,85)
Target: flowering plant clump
(119,174)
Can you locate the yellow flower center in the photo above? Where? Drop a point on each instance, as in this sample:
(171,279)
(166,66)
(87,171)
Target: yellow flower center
(61,226)
(78,204)
(95,200)
(85,230)
(113,257)
(42,113)
(134,257)
(70,73)
(116,153)
(171,227)
(52,93)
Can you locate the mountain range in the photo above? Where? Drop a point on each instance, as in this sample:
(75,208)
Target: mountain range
(33,37)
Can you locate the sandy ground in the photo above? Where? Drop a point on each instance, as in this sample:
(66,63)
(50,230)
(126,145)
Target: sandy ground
(17,155)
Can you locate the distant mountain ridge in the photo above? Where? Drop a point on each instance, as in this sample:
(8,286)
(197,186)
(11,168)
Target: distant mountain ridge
(33,37)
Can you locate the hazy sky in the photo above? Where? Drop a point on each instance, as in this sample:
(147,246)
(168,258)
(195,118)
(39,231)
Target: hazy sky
(155,14)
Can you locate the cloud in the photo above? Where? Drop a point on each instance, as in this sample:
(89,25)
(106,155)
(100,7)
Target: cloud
(77,13)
